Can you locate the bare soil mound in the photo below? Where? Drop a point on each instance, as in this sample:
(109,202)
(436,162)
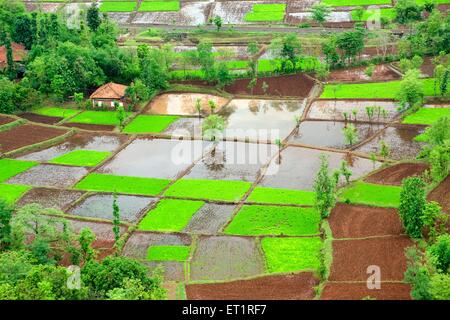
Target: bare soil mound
(40,118)
(358,291)
(295,85)
(25,135)
(395,174)
(351,258)
(92,127)
(350,221)
(5,120)
(280,287)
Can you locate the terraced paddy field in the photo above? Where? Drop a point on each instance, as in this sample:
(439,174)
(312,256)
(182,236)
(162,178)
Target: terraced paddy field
(233,219)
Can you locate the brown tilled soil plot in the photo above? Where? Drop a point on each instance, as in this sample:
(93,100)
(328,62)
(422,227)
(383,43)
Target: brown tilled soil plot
(381,73)
(358,291)
(5,120)
(351,258)
(351,221)
(441,194)
(296,85)
(50,198)
(40,118)
(92,127)
(25,135)
(280,287)
(395,174)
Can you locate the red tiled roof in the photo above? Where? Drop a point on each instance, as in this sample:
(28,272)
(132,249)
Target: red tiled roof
(110,91)
(19,53)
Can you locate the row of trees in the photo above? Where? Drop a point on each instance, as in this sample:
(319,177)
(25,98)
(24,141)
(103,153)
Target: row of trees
(33,246)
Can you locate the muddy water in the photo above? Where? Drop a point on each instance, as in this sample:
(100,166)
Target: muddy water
(299,166)
(186,127)
(79,141)
(100,206)
(137,244)
(210,219)
(50,198)
(155,158)
(184,104)
(330,134)
(334,109)
(50,176)
(261,119)
(224,258)
(232,12)
(400,141)
(233,161)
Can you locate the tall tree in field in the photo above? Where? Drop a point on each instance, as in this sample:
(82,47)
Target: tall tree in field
(116,219)
(206,60)
(411,91)
(93,17)
(213,127)
(320,13)
(412,205)
(288,49)
(6,212)
(325,188)
(351,43)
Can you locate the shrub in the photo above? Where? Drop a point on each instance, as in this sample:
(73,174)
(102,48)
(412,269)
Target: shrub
(412,205)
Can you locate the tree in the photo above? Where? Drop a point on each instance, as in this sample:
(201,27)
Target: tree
(213,127)
(440,287)
(412,205)
(205,58)
(217,22)
(78,97)
(369,70)
(407,11)
(279,144)
(417,274)
(93,17)
(320,13)
(439,158)
(438,132)
(224,77)
(434,220)
(85,239)
(153,68)
(351,43)
(288,49)
(384,149)
(112,272)
(116,219)
(411,91)
(324,187)
(120,114)
(6,212)
(251,85)
(350,134)
(359,13)
(440,253)
(345,171)
(329,49)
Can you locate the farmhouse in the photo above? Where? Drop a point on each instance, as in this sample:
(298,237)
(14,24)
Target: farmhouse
(108,95)
(19,54)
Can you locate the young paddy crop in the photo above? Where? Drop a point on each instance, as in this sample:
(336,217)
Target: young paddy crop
(281,196)
(255,220)
(168,253)
(108,118)
(427,116)
(292,254)
(118,6)
(371,194)
(12,192)
(149,124)
(122,184)
(10,167)
(170,215)
(82,158)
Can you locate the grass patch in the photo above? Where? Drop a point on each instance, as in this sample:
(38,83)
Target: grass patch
(170,215)
(10,167)
(220,190)
(281,196)
(82,158)
(371,194)
(122,184)
(274,220)
(427,116)
(383,90)
(108,118)
(12,192)
(344,3)
(292,254)
(118,6)
(388,13)
(149,124)
(168,253)
(56,112)
(152,6)
(266,12)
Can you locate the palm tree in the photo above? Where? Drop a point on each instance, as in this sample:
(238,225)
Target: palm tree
(213,127)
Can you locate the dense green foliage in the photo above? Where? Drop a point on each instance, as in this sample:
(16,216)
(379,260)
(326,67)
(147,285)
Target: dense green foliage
(412,204)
